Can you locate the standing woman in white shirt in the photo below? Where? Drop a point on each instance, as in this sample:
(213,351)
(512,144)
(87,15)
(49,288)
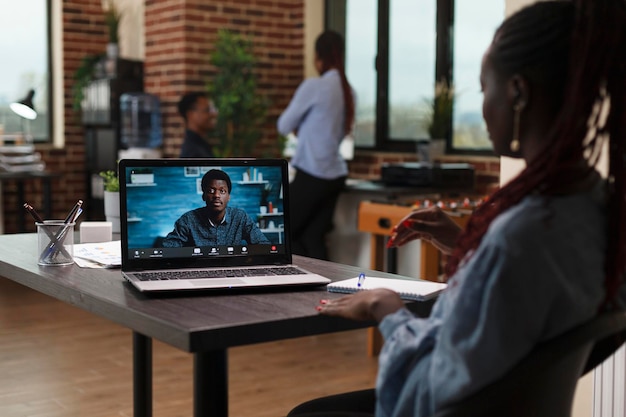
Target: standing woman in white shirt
(321,114)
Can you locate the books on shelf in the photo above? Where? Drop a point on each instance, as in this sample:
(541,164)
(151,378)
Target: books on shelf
(20,158)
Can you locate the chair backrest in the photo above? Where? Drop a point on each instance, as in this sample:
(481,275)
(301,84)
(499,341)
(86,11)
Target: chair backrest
(543,383)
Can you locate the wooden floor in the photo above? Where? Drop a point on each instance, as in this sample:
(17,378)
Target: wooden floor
(59,361)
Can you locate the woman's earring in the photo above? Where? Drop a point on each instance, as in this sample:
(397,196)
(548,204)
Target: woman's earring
(515,145)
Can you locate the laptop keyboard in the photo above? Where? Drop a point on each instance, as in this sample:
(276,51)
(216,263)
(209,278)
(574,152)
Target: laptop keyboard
(219,273)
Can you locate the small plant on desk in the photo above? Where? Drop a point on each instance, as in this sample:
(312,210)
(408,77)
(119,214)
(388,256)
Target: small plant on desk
(111,181)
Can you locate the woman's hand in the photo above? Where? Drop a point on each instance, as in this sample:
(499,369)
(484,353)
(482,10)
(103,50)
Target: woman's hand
(363,305)
(430,224)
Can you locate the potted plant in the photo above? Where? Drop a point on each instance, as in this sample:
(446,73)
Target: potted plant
(112,19)
(112,199)
(438,117)
(84,74)
(242,109)
(438,120)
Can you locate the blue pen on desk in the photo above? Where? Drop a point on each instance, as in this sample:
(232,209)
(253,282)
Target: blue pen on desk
(361,280)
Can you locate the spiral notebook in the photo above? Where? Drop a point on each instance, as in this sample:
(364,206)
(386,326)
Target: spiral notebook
(415,290)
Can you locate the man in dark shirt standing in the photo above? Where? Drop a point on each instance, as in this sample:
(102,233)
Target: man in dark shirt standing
(200,115)
(214,224)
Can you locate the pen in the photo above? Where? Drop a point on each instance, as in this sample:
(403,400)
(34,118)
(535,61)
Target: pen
(361,280)
(31,210)
(72,213)
(33,213)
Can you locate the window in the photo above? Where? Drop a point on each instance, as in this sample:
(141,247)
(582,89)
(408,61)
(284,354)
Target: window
(395,52)
(473,32)
(26,65)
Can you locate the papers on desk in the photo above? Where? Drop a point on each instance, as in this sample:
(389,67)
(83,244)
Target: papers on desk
(98,255)
(417,290)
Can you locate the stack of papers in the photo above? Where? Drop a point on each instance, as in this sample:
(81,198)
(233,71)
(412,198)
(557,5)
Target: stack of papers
(98,255)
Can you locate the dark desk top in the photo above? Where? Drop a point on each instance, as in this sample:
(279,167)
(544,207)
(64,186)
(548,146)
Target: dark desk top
(192,322)
(395,192)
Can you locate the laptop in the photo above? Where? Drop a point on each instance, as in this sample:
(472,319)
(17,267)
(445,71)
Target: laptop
(202,224)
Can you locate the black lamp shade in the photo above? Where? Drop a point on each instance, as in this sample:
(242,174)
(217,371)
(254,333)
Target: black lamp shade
(25,107)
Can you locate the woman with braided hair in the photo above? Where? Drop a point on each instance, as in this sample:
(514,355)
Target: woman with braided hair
(544,253)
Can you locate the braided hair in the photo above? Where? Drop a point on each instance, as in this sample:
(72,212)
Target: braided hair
(573,50)
(330,50)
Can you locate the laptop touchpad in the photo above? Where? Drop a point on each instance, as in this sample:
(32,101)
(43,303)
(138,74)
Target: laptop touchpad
(219,282)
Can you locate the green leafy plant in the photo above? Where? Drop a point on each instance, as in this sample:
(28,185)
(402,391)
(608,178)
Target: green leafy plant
(438,118)
(111,181)
(84,74)
(242,110)
(112,18)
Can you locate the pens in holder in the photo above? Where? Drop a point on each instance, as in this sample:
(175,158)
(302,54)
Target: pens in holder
(56,241)
(361,280)
(31,210)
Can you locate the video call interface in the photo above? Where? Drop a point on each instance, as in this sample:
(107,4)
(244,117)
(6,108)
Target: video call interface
(158,197)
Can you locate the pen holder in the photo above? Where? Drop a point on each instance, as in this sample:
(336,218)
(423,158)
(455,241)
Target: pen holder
(55,241)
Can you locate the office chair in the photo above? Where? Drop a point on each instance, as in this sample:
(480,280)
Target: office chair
(541,385)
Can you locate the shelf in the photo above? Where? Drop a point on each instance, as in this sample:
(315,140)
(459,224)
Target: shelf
(270,214)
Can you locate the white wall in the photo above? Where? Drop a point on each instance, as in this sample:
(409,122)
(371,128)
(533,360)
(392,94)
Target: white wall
(313,26)
(132,32)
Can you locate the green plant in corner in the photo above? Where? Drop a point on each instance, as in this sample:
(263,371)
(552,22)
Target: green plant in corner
(438,118)
(111,181)
(233,89)
(112,18)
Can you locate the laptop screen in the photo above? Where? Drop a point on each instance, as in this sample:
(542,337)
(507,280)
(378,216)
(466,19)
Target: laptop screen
(203,212)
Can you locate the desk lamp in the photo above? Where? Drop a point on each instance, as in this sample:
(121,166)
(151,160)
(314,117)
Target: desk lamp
(25,109)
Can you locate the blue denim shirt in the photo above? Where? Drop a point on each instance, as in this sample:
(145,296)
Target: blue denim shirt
(538,272)
(317,113)
(194,229)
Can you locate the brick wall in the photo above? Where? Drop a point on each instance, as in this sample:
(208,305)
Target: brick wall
(180,34)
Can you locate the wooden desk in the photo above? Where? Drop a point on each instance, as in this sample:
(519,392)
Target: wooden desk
(379,219)
(205,324)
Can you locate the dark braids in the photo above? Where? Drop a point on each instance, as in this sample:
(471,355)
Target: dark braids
(330,49)
(575,51)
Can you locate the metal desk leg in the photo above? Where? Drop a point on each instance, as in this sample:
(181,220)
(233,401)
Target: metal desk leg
(210,392)
(142,375)
(392,260)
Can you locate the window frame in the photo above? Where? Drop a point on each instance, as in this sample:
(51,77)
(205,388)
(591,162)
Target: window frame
(335,18)
(51,91)
(44,137)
